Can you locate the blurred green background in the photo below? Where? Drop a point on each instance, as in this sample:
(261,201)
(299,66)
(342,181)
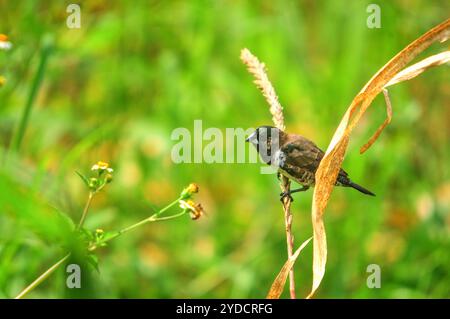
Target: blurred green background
(116,88)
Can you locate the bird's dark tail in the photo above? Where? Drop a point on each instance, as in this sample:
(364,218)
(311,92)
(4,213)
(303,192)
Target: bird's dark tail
(359,188)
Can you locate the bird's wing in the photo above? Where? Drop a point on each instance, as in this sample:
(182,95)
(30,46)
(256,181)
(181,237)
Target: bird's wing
(302,153)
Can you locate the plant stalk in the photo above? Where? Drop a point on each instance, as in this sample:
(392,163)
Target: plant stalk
(85,210)
(285,186)
(49,271)
(42,277)
(152,218)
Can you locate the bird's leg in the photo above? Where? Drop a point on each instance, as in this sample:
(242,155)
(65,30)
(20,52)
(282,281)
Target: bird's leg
(301,189)
(284,194)
(279,176)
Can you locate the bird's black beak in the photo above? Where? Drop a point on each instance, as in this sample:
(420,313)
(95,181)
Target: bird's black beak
(250,137)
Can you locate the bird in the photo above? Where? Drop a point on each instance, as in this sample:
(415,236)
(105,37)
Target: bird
(295,157)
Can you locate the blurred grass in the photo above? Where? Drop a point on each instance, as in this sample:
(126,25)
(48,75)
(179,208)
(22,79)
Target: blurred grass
(116,88)
(45,52)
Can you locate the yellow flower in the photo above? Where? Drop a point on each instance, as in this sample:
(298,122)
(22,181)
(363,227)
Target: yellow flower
(195,210)
(188,191)
(4,43)
(192,188)
(102,166)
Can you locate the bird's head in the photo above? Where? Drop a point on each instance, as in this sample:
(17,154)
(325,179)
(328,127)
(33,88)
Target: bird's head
(266,139)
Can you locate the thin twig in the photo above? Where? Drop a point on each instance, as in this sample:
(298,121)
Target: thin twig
(285,186)
(382,126)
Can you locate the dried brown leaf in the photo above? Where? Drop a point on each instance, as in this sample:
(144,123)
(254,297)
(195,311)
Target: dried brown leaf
(416,69)
(405,75)
(328,169)
(279,282)
(382,126)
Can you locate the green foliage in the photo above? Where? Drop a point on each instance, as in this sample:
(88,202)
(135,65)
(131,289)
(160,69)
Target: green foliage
(27,208)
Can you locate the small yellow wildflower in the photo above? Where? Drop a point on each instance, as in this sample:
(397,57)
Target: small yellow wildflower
(195,210)
(189,191)
(102,166)
(192,188)
(4,43)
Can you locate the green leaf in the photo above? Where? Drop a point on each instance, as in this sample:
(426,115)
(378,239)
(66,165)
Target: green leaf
(93,261)
(84,178)
(86,234)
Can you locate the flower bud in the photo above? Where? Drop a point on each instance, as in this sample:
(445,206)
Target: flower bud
(108,178)
(99,233)
(93,183)
(189,191)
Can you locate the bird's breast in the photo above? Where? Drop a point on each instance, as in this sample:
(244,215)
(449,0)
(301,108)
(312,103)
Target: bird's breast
(298,174)
(301,176)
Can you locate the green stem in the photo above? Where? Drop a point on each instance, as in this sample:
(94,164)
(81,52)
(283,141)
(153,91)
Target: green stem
(152,218)
(149,219)
(85,210)
(170,217)
(41,278)
(18,137)
(49,271)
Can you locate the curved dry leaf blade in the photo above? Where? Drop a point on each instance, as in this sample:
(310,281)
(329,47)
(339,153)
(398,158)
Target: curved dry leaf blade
(279,282)
(439,33)
(319,250)
(382,126)
(405,75)
(328,169)
(321,195)
(420,67)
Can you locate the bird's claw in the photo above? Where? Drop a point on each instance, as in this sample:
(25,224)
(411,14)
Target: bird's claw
(285,194)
